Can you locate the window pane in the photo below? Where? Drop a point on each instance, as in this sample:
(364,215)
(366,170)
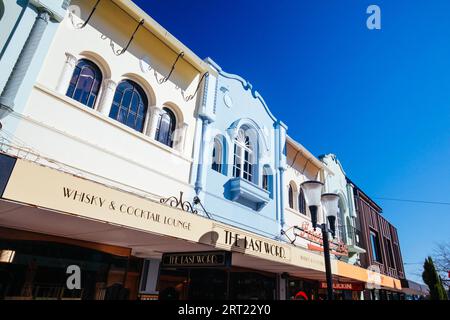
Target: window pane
(166,127)
(122,115)
(131,121)
(375,246)
(126,98)
(114,111)
(85,83)
(129,97)
(265,182)
(291,197)
(139,124)
(237,161)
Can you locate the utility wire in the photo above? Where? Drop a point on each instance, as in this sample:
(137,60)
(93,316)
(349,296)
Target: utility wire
(416,201)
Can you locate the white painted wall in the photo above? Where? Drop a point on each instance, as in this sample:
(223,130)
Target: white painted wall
(88,141)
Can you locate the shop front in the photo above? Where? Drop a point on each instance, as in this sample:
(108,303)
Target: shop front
(211,276)
(343,290)
(302,289)
(37,267)
(154,249)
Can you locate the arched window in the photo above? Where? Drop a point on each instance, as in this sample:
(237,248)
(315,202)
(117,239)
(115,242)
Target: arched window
(129,105)
(166,127)
(243,157)
(340,222)
(301,202)
(291,197)
(217,155)
(350,230)
(85,83)
(265,181)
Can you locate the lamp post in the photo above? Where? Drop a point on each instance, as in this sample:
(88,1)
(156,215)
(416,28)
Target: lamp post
(312,191)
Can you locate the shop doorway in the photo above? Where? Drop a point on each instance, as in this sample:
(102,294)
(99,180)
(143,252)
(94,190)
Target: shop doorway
(192,280)
(37,270)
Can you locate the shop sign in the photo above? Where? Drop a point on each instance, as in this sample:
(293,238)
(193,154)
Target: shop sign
(52,189)
(197,259)
(306,232)
(344,286)
(247,242)
(237,240)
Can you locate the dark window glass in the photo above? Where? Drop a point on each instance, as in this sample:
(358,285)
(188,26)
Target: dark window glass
(129,105)
(376,250)
(301,202)
(291,197)
(265,181)
(85,83)
(166,127)
(390,253)
(217,156)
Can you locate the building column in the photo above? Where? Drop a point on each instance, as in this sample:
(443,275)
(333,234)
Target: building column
(66,75)
(202,160)
(107,97)
(281,195)
(155,113)
(23,63)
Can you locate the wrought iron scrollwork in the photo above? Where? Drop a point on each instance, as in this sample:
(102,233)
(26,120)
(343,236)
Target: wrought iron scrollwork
(180,55)
(179,203)
(80,26)
(190,97)
(119,52)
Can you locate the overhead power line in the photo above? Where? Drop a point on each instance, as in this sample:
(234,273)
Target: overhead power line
(415,201)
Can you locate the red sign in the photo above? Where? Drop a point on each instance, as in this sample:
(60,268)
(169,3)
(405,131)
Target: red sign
(320,248)
(305,232)
(344,286)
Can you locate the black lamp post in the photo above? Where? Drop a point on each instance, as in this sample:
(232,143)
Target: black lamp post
(312,191)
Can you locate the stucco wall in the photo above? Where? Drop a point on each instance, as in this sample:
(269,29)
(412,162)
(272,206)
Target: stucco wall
(60,128)
(235,106)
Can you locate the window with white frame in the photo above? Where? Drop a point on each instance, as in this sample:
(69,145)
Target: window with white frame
(85,83)
(165,129)
(243,157)
(301,202)
(340,223)
(217,155)
(291,197)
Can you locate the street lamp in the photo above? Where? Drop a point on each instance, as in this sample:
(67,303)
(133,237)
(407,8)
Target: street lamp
(312,191)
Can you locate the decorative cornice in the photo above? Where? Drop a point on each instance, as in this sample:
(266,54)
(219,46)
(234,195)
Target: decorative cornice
(246,85)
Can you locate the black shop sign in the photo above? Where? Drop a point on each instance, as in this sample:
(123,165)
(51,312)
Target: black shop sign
(196,259)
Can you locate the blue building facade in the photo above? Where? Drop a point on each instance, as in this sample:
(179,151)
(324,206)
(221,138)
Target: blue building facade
(241,156)
(28,28)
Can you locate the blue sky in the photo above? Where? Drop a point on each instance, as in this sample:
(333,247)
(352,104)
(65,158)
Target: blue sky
(379,99)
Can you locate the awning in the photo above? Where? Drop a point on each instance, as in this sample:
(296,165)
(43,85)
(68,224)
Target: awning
(42,199)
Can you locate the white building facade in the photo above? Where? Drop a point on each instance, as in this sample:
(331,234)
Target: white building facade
(101,165)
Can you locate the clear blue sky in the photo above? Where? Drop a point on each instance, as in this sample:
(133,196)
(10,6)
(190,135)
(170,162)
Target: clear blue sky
(380,100)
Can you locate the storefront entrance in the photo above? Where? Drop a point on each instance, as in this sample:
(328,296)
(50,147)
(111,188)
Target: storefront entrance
(301,289)
(31,270)
(218,281)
